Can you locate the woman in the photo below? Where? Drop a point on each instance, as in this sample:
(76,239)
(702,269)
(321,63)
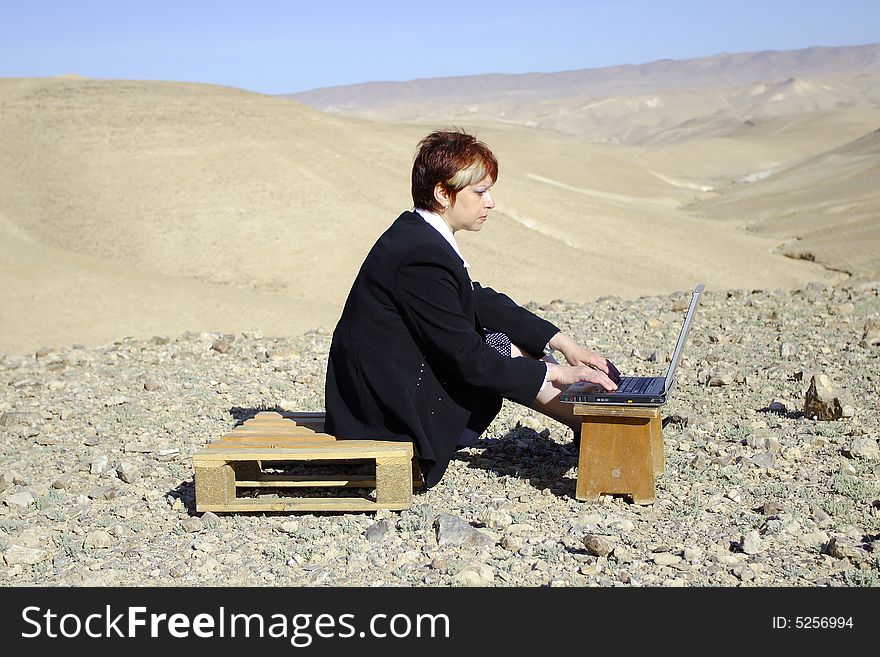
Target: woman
(421,353)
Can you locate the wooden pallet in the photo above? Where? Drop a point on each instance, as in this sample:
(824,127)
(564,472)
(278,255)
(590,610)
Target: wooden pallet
(245,457)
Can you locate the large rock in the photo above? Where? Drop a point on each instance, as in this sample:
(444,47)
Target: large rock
(224,343)
(598,546)
(20,554)
(841,547)
(99,539)
(20,501)
(474,575)
(455,531)
(871,336)
(20,418)
(865,448)
(380,531)
(823,401)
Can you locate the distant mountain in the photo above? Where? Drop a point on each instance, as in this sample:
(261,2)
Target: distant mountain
(663,75)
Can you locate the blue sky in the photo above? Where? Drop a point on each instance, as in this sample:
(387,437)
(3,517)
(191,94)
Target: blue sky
(278,47)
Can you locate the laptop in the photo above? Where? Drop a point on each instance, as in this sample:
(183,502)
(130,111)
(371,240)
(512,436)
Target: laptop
(636,390)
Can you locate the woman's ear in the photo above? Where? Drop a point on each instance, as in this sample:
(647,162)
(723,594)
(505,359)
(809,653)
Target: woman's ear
(441,196)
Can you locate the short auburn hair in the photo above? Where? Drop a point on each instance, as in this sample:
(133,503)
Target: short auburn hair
(454,159)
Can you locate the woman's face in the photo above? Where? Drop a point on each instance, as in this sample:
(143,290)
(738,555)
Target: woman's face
(472,205)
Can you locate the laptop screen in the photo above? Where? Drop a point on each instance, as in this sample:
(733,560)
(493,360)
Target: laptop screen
(670,373)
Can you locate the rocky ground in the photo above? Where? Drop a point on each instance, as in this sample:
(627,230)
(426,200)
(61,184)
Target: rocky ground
(96,479)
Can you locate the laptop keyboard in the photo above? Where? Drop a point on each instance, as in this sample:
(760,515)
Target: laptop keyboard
(635,385)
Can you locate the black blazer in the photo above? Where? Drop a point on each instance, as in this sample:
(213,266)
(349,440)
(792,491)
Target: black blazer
(409,360)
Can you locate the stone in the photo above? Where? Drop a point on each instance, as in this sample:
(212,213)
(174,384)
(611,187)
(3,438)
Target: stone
(128,472)
(865,448)
(693,553)
(743,572)
(19,501)
(20,418)
(168,454)
(623,553)
(598,546)
(721,378)
(497,519)
(3,483)
(290,526)
(210,519)
(814,539)
(151,384)
(452,530)
(512,543)
(474,575)
(819,514)
(871,335)
(223,344)
(764,460)
(192,525)
(622,525)
(822,401)
(784,350)
(841,547)
(530,422)
(752,543)
(380,531)
(99,539)
(846,467)
(99,465)
(666,559)
(23,555)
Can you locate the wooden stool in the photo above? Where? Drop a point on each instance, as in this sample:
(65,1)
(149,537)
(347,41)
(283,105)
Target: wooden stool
(238,460)
(621,452)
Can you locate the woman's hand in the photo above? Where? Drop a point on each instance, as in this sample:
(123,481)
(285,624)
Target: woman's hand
(566,375)
(577,355)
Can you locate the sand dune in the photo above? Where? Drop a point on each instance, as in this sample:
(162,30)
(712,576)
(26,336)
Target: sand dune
(136,208)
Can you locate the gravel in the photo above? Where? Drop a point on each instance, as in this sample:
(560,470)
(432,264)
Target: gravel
(97,485)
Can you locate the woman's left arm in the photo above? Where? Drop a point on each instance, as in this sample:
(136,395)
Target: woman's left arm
(498,312)
(525,329)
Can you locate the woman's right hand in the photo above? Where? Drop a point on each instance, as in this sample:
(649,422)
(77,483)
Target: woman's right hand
(566,375)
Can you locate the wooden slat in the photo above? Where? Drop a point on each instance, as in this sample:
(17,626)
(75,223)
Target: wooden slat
(270,416)
(269,428)
(341,449)
(296,437)
(615,411)
(305,481)
(267,442)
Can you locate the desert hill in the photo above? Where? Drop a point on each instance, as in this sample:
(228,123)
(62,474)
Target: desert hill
(137,208)
(827,207)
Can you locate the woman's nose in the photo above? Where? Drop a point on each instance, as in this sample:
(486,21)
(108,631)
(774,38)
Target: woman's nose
(488,201)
